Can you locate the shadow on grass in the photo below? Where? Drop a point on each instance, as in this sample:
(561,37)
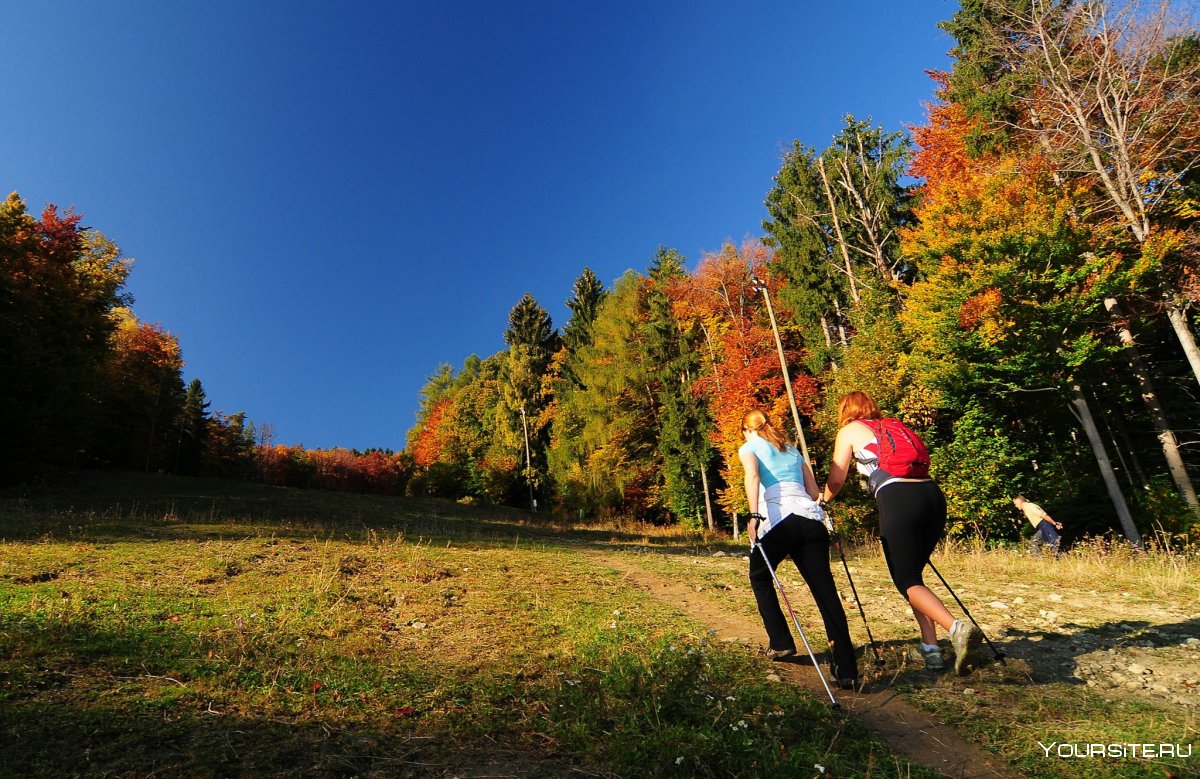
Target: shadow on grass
(55,740)
(81,700)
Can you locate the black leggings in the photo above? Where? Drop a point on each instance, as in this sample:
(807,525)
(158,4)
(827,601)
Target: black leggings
(806,541)
(912,519)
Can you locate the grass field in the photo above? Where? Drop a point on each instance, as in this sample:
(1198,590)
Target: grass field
(157,626)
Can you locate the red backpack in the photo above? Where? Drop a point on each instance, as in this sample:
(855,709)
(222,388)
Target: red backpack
(901,452)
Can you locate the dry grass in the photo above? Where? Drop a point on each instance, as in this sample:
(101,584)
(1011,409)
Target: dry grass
(187,627)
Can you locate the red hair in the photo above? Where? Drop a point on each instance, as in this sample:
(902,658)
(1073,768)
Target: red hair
(857,405)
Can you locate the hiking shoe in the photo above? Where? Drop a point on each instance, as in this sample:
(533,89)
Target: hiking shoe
(781,654)
(931,657)
(965,638)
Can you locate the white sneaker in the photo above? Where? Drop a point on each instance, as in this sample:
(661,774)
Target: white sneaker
(965,638)
(932,657)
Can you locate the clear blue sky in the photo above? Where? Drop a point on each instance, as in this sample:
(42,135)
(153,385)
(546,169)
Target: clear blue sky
(327,200)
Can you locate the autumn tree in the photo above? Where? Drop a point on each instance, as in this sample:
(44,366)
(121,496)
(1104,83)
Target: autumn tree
(741,365)
(566,453)
(1109,93)
(1006,318)
(141,398)
(59,284)
(606,454)
(524,428)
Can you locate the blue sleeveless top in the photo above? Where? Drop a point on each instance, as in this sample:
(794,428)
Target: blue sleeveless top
(775,466)
(781,490)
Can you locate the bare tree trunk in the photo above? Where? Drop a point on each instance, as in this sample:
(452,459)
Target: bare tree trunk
(837,228)
(828,341)
(1166,436)
(1187,338)
(841,324)
(1079,403)
(868,219)
(708,500)
(1108,109)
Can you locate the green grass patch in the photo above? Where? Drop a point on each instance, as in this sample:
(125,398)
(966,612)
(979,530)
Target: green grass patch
(160,627)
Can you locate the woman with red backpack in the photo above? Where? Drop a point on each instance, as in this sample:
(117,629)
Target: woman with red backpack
(912,516)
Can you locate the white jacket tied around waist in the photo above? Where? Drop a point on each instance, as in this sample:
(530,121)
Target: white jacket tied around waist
(783,499)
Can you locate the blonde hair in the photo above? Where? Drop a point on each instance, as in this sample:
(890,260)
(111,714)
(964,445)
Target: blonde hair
(758,421)
(857,405)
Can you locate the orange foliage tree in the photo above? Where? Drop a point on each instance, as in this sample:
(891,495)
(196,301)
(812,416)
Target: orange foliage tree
(742,370)
(142,396)
(1005,314)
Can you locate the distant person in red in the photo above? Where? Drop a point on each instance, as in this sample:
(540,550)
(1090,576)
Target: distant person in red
(912,520)
(1045,528)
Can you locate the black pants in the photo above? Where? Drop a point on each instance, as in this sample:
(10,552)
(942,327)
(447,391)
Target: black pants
(912,519)
(806,541)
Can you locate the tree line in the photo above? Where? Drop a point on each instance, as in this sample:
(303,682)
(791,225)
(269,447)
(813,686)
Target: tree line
(1013,278)
(85,383)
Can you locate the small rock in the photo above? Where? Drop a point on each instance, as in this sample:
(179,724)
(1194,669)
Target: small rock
(1055,597)
(719,554)
(1136,669)
(998,604)
(969,691)
(774,678)
(419,625)
(1193,642)
(1018,601)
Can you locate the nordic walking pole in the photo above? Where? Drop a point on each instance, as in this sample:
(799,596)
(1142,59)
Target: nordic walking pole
(832,700)
(837,542)
(761,286)
(997,652)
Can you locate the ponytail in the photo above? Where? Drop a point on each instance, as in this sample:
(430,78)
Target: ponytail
(758,421)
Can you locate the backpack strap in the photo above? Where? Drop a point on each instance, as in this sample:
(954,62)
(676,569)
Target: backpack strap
(874,425)
(879,430)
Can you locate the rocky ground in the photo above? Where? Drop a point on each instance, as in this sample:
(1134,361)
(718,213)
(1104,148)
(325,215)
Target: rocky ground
(1118,644)
(1129,647)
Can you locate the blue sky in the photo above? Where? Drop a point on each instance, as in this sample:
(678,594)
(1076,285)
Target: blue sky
(325,201)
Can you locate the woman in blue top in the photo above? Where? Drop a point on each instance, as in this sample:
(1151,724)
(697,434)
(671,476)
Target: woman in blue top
(786,521)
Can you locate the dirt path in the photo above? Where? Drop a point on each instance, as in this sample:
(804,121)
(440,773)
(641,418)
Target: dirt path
(911,733)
